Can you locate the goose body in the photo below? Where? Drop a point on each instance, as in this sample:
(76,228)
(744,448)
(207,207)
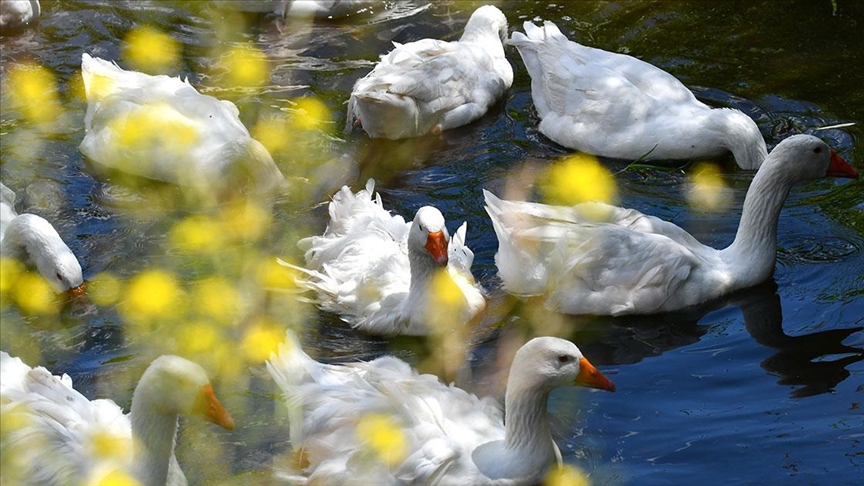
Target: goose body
(15,14)
(434,85)
(161,128)
(34,242)
(377,271)
(451,437)
(56,436)
(615,105)
(594,258)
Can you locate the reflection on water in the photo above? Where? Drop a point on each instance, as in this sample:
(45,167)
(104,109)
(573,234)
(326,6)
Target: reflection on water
(810,363)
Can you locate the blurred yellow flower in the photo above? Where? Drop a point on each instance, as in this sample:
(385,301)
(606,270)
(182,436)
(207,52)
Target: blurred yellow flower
(577,179)
(105,289)
(33,90)
(217,298)
(310,113)
(153,294)
(244,220)
(273,133)
(154,125)
(261,339)
(116,477)
(566,475)
(195,338)
(150,50)
(246,66)
(706,189)
(383,435)
(34,295)
(104,446)
(197,233)
(10,270)
(271,275)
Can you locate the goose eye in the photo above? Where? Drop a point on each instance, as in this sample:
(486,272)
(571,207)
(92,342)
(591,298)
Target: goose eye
(59,277)
(817,150)
(564,358)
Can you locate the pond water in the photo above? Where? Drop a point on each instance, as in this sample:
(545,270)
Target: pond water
(763,387)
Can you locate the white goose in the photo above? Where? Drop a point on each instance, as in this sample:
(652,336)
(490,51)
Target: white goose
(53,434)
(161,128)
(614,105)
(451,437)
(18,13)
(377,271)
(432,85)
(598,259)
(31,240)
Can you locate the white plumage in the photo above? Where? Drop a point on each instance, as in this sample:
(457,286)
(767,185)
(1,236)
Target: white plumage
(594,258)
(34,242)
(379,273)
(450,437)
(53,435)
(161,128)
(433,85)
(615,105)
(18,13)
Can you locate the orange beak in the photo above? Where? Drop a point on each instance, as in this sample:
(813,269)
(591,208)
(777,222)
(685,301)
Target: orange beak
(208,406)
(436,245)
(589,376)
(77,291)
(840,168)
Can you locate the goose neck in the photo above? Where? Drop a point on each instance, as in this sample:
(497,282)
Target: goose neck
(527,431)
(153,436)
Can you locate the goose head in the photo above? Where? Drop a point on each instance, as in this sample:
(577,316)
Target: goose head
(176,386)
(805,157)
(32,240)
(428,237)
(544,363)
(484,20)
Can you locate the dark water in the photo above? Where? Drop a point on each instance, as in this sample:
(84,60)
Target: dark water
(763,387)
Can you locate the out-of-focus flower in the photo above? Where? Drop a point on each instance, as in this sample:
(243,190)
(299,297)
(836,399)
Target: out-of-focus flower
(34,294)
(105,289)
(196,338)
(197,233)
(310,113)
(32,89)
(150,50)
(245,65)
(273,133)
(216,298)
(384,437)
(244,220)
(447,302)
(116,477)
(577,179)
(153,294)
(153,125)
(10,270)
(261,339)
(566,475)
(271,275)
(706,189)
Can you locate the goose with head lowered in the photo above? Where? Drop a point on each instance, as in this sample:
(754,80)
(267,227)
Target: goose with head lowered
(53,435)
(33,241)
(385,276)
(432,85)
(614,105)
(593,258)
(438,434)
(162,128)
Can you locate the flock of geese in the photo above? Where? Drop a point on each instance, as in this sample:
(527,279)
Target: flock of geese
(378,272)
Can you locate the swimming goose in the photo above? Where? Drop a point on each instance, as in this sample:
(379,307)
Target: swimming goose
(597,259)
(379,273)
(614,105)
(161,128)
(55,435)
(18,13)
(432,85)
(32,241)
(439,434)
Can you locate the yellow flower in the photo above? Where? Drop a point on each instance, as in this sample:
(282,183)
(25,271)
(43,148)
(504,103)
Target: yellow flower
(153,294)
(197,233)
(105,289)
(384,437)
(34,295)
(310,113)
(246,66)
(150,50)
(577,179)
(566,475)
(706,189)
(217,298)
(33,90)
(261,339)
